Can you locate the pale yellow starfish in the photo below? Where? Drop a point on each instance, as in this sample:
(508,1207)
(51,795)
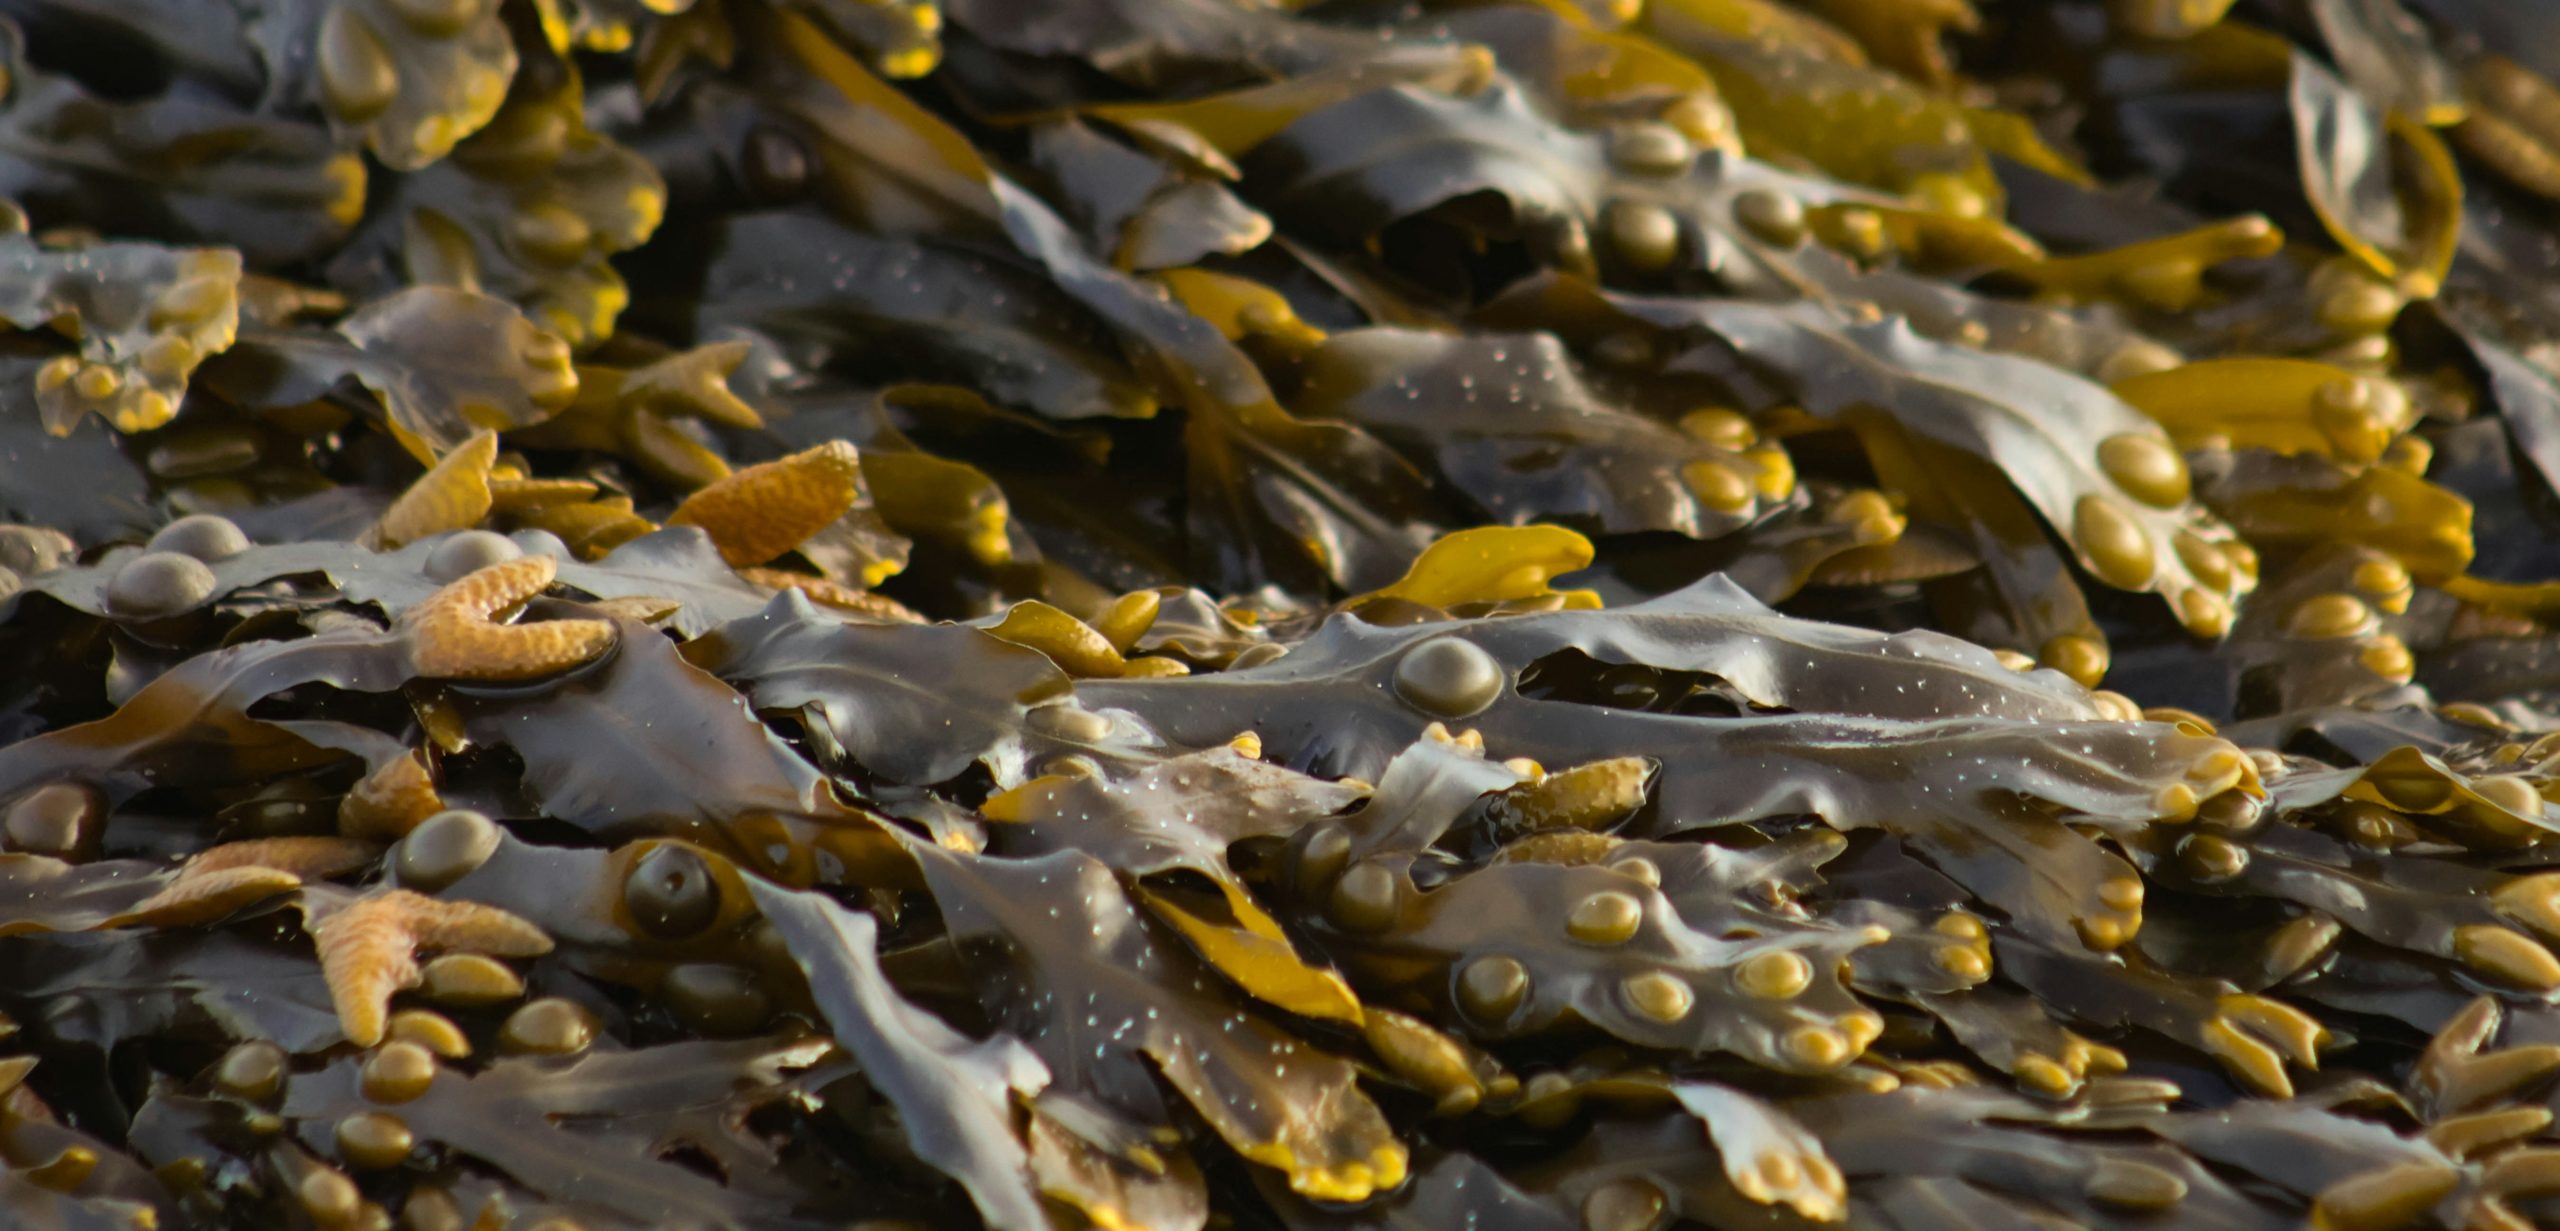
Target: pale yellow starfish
(390,801)
(452,635)
(369,949)
(836,594)
(225,878)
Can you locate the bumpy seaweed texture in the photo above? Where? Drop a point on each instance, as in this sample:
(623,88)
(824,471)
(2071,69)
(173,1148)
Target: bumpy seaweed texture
(1514,614)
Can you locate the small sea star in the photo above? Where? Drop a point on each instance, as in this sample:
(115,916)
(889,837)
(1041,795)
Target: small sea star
(390,801)
(452,636)
(225,878)
(760,512)
(368,949)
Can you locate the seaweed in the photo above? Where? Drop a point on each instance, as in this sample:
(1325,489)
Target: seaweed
(845,299)
(874,688)
(444,363)
(916,1061)
(527,209)
(412,80)
(1543,613)
(1540,445)
(144,317)
(178,165)
(541,1123)
(1112,1008)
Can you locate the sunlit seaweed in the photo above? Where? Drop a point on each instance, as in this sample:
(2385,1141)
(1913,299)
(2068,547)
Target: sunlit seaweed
(1533,614)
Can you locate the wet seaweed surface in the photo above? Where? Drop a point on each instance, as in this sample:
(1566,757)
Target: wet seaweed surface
(1591,615)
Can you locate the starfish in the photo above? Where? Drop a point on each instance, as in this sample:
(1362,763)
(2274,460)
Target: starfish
(390,801)
(451,635)
(836,594)
(511,492)
(225,878)
(760,512)
(451,495)
(369,947)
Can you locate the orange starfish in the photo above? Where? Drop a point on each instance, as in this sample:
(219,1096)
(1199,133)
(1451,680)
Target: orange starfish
(452,636)
(516,495)
(835,594)
(390,801)
(368,949)
(765,510)
(225,878)
(452,495)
